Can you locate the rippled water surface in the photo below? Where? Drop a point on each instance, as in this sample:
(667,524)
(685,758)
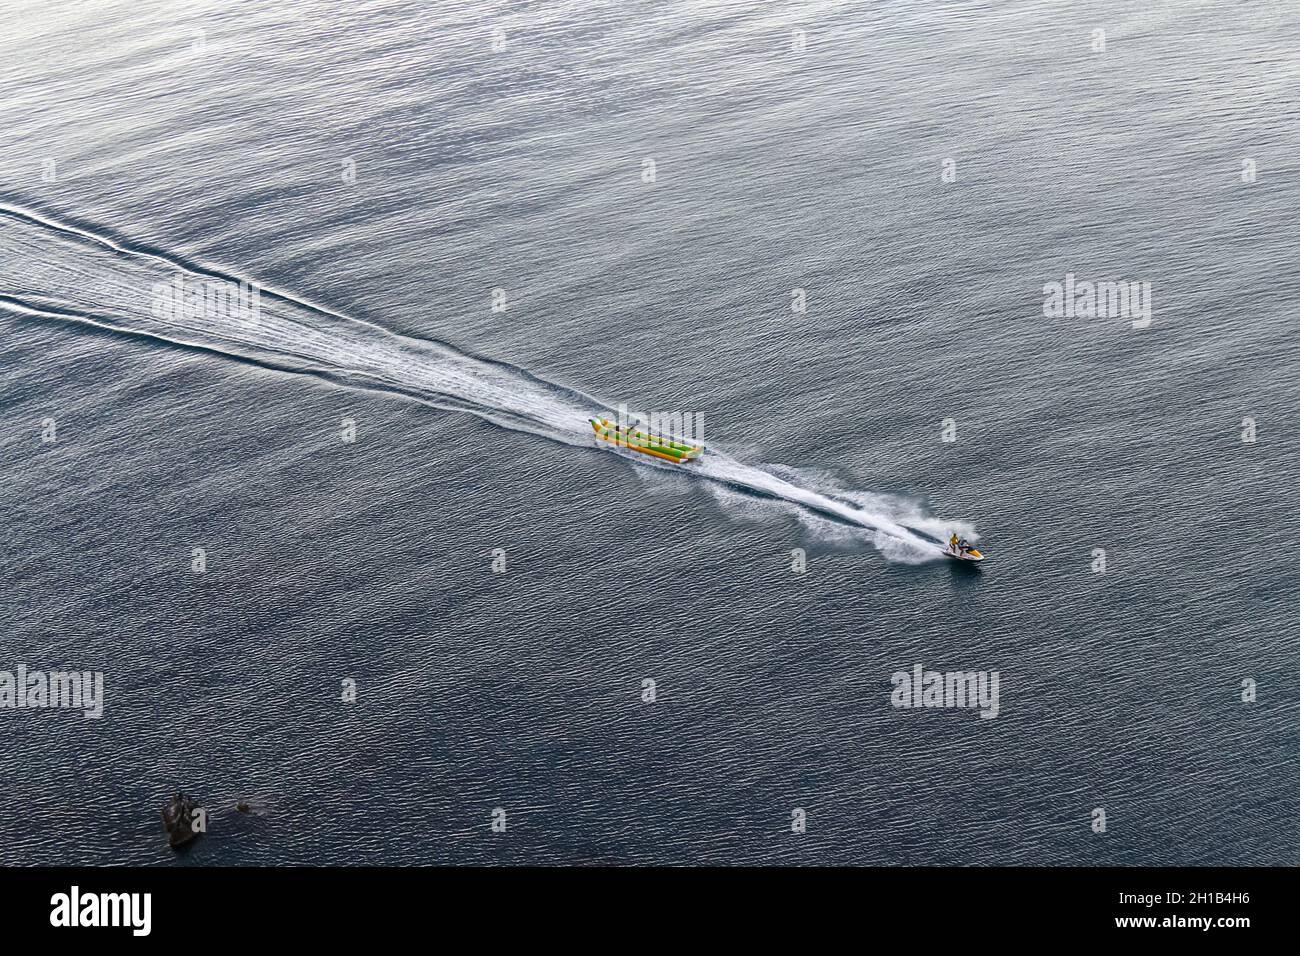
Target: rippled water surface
(380,170)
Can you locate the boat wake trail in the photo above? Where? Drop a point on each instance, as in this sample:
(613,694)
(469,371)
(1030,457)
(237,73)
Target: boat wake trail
(54,270)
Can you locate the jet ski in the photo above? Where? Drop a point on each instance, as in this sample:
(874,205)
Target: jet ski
(666,447)
(963,551)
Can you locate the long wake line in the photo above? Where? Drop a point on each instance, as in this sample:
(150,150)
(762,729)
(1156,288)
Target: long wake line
(86,277)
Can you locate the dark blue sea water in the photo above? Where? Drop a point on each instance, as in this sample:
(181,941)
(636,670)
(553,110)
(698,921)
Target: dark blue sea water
(379,169)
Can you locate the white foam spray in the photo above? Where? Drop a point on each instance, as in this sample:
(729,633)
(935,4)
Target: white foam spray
(87,277)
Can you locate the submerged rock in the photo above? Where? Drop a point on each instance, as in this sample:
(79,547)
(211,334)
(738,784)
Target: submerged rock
(178,819)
